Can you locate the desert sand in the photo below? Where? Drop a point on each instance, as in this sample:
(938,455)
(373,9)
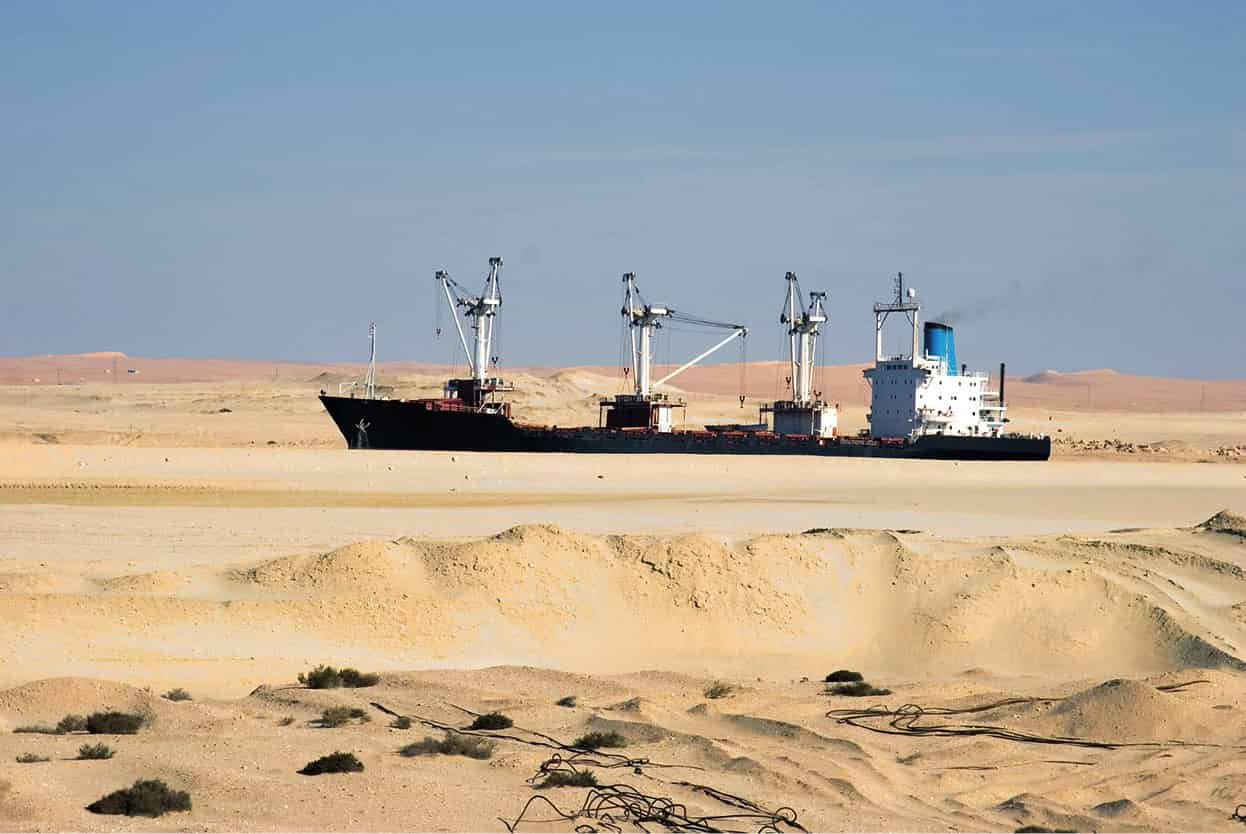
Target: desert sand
(213,534)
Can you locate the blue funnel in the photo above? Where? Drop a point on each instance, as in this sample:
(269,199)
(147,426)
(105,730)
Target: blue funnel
(941,342)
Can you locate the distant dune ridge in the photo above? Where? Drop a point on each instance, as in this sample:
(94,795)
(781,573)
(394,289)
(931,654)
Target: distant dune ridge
(1099,389)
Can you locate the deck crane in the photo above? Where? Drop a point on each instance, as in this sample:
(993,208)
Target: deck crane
(805,413)
(482,310)
(646,408)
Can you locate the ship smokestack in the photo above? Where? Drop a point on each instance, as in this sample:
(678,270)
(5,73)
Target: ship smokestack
(940,341)
(1001,384)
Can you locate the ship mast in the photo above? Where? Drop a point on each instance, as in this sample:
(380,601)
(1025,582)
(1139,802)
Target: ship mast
(803,325)
(369,381)
(905,302)
(481,309)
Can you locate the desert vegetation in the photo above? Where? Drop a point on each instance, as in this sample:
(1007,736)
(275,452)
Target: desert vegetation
(338,762)
(596,740)
(145,798)
(95,751)
(113,722)
(454,744)
(569,779)
(340,716)
(491,721)
(328,677)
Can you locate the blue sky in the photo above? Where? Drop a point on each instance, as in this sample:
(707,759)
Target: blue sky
(262,179)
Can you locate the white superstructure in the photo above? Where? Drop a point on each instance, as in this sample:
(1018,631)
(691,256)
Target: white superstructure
(924,392)
(806,413)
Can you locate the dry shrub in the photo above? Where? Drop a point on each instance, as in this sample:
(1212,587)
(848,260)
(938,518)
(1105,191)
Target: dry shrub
(146,798)
(338,762)
(95,751)
(454,744)
(115,723)
(570,779)
(856,689)
(491,721)
(595,741)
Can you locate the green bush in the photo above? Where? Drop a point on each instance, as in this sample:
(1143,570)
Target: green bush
(844,676)
(338,716)
(718,689)
(402,722)
(334,763)
(114,723)
(358,680)
(322,677)
(146,798)
(454,744)
(327,677)
(491,721)
(177,694)
(31,758)
(856,689)
(95,751)
(569,779)
(595,741)
(72,724)
(568,701)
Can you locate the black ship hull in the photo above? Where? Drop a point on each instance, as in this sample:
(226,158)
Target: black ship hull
(427,425)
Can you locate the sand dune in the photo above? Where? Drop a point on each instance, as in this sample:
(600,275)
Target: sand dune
(1097,626)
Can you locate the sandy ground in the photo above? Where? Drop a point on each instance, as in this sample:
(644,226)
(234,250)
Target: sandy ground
(149,540)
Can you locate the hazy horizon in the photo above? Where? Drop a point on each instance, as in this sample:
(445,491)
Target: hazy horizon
(260,181)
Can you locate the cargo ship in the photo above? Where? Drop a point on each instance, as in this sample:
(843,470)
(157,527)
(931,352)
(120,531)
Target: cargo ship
(922,405)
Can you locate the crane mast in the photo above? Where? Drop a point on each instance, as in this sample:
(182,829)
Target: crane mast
(805,413)
(642,320)
(803,325)
(482,310)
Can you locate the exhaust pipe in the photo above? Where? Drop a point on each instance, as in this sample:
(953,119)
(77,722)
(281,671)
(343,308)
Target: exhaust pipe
(1001,384)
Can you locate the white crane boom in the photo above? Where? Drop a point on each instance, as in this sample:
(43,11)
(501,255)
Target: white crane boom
(643,319)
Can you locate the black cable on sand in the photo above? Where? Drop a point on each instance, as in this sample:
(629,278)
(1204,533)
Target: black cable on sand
(910,720)
(609,807)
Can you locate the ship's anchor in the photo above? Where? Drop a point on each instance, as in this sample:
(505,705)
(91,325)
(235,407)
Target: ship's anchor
(361,435)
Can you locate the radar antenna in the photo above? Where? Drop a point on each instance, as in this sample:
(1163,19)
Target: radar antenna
(905,302)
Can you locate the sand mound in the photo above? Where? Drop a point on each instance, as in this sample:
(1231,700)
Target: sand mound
(537,591)
(52,698)
(155,582)
(366,566)
(1225,522)
(1122,710)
